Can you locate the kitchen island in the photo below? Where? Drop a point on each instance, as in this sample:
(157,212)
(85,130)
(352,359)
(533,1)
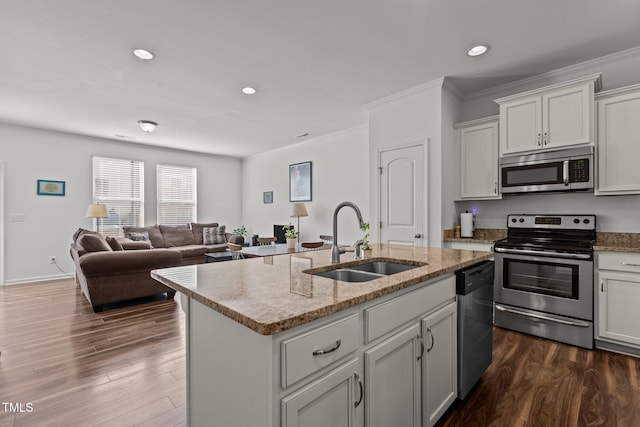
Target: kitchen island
(269,344)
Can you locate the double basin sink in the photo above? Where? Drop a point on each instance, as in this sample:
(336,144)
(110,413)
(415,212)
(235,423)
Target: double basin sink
(367,271)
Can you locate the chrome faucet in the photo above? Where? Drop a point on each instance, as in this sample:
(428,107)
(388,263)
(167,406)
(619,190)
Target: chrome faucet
(335,251)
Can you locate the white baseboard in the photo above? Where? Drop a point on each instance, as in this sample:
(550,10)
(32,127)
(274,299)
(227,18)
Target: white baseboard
(37,279)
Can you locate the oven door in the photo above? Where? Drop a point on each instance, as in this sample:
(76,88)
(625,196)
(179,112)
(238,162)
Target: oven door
(557,285)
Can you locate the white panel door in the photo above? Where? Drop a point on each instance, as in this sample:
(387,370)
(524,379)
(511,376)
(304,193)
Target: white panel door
(567,117)
(521,125)
(619,317)
(402,196)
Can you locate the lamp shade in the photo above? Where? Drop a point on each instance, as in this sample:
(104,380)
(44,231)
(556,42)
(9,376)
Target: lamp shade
(97,210)
(298,210)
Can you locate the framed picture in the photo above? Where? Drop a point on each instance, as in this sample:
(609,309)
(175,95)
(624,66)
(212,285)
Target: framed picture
(50,188)
(300,182)
(267,197)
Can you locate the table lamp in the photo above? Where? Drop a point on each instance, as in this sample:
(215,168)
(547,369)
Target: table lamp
(97,210)
(298,210)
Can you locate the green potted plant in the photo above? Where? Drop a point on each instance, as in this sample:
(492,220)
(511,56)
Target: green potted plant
(291,235)
(366,245)
(241,231)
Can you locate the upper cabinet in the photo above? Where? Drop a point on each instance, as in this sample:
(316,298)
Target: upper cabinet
(618,141)
(478,141)
(548,118)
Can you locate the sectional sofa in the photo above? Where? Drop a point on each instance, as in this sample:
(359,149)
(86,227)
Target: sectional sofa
(114,269)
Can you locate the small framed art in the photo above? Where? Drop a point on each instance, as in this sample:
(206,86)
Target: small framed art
(267,197)
(50,188)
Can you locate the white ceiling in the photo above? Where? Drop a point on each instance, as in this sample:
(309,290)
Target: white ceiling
(67,64)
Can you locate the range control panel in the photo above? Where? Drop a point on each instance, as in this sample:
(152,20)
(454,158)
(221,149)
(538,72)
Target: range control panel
(575,222)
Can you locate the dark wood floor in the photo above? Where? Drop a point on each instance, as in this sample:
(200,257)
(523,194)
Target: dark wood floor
(126,367)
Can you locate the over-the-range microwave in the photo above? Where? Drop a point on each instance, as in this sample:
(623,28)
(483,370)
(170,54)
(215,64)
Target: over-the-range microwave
(562,170)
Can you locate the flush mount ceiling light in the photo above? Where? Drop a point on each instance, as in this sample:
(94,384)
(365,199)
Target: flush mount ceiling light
(143,54)
(478,50)
(248,90)
(147,125)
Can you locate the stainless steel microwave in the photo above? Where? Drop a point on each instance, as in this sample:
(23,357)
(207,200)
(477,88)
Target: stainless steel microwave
(562,170)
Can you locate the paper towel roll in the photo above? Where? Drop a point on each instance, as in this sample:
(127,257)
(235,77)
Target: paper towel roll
(466,225)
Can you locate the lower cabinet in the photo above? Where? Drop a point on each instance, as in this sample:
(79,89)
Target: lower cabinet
(617,295)
(392,381)
(439,372)
(329,401)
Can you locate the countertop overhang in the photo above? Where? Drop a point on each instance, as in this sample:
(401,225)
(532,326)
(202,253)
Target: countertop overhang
(273,294)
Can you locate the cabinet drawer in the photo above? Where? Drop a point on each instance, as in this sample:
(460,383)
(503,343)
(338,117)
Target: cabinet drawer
(304,354)
(619,261)
(385,317)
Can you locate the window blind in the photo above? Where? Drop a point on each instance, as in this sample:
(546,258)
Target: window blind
(119,184)
(177,195)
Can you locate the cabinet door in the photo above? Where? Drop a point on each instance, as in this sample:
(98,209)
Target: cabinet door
(618,314)
(479,161)
(521,125)
(619,144)
(392,381)
(567,116)
(330,401)
(440,375)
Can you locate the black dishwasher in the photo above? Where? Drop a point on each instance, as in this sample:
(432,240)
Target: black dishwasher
(474,286)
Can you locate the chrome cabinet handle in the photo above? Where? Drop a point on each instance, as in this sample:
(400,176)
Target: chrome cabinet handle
(421,347)
(329,350)
(433,340)
(545,138)
(417,235)
(539,142)
(630,264)
(495,188)
(359,401)
(601,285)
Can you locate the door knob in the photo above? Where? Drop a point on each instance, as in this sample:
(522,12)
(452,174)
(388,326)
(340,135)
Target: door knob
(417,235)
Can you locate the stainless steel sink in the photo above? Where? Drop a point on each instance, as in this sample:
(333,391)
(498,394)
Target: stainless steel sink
(365,272)
(383,267)
(349,275)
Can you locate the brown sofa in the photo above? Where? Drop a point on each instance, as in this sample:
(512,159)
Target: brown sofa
(118,269)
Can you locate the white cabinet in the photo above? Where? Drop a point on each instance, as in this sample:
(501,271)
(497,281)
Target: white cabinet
(617,295)
(440,384)
(330,401)
(392,378)
(479,154)
(618,141)
(548,118)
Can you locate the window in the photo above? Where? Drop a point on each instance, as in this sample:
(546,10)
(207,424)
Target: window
(119,184)
(177,195)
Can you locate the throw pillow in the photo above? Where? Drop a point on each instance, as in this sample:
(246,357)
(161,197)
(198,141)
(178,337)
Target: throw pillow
(93,243)
(114,244)
(214,235)
(198,231)
(142,236)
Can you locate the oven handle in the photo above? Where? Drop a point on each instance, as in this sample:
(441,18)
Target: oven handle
(542,317)
(542,253)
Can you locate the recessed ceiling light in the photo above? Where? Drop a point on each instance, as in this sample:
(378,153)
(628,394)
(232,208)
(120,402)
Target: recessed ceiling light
(147,125)
(248,90)
(143,54)
(481,49)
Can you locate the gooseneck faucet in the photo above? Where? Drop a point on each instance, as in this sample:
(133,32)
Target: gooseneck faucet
(335,251)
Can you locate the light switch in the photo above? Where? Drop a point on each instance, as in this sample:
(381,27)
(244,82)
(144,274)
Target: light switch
(17,217)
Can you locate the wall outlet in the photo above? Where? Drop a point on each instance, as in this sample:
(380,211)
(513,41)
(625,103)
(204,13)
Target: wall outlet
(52,260)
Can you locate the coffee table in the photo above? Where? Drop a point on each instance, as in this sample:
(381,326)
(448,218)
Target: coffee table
(218,256)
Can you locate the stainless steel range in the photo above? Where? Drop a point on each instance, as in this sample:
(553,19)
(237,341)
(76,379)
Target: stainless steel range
(544,277)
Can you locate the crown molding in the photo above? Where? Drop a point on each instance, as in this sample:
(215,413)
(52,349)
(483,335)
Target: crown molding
(586,66)
(437,83)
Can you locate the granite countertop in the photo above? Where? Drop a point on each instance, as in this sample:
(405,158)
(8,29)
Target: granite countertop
(480,235)
(272,294)
(617,242)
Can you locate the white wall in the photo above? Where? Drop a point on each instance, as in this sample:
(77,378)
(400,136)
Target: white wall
(614,213)
(404,119)
(31,154)
(340,170)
